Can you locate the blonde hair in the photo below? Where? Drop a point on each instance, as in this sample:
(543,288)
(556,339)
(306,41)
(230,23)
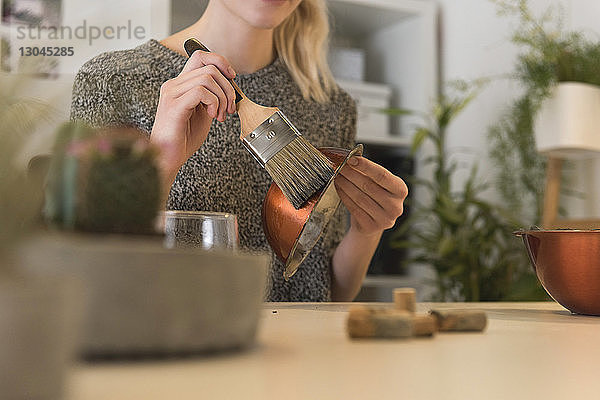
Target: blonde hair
(301,42)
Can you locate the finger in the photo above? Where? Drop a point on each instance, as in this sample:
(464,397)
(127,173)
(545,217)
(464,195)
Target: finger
(197,96)
(207,81)
(363,200)
(201,58)
(363,218)
(382,176)
(391,204)
(227,88)
(190,79)
(381,195)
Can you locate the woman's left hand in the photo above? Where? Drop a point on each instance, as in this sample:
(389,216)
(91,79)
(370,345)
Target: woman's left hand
(373,195)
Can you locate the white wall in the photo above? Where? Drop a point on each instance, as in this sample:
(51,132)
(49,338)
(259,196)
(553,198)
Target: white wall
(475,43)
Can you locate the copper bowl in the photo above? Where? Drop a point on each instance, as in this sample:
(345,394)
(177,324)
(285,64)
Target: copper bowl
(292,232)
(567,263)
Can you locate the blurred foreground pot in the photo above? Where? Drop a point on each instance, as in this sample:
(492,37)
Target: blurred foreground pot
(293,233)
(39,325)
(143,299)
(567,263)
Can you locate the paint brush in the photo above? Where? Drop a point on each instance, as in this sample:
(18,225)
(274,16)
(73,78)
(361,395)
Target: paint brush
(298,168)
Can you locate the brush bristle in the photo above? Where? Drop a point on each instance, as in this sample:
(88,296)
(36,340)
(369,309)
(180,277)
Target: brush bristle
(300,171)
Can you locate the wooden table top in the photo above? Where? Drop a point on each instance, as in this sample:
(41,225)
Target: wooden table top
(529,351)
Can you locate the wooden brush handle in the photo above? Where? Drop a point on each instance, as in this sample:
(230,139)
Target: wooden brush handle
(192,45)
(251,114)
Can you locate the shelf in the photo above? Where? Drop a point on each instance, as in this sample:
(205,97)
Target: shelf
(389,281)
(367,88)
(386,141)
(407,7)
(357,18)
(399,40)
(379,288)
(351,18)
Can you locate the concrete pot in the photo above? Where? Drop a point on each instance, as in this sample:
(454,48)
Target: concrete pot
(568,123)
(39,321)
(143,299)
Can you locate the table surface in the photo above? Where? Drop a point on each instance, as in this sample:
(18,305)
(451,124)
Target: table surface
(529,351)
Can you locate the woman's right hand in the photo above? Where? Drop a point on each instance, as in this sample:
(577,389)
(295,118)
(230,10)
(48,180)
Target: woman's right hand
(186,108)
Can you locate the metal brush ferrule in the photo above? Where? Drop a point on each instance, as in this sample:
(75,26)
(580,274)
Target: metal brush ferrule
(270,137)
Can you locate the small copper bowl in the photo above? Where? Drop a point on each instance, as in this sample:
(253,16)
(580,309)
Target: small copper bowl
(293,233)
(567,263)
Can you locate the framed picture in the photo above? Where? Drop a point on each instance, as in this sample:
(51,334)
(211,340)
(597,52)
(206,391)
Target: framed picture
(32,12)
(15,54)
(4,53)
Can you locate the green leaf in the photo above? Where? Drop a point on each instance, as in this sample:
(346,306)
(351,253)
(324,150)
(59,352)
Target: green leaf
(456,270)
(446,246)
(419,137)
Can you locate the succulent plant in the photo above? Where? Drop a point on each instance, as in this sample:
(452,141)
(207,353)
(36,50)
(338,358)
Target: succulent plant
(103,181)
(120,187)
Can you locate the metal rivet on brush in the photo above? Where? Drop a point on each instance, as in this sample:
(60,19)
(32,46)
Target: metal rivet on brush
(271,120)
(252,135)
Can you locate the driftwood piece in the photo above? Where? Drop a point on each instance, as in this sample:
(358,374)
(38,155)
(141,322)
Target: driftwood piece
(460,320)
(360,322)
(424,325)
(376,322)
(393,325)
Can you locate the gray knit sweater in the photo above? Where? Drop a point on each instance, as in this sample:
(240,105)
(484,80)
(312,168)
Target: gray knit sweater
(122,87)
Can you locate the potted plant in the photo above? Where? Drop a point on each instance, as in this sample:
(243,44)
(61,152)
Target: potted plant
(102,199)
(465,238)
(561,69)
(38,317)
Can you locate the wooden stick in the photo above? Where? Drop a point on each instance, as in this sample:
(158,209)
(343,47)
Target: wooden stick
(552,192)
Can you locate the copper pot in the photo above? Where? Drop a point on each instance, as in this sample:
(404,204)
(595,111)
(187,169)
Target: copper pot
(293,233)
(567,263)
